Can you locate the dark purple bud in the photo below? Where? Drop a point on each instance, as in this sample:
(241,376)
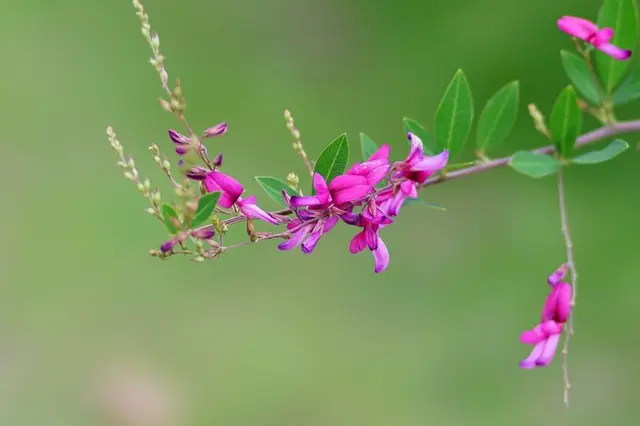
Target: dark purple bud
(217,130)
(180,163)
(177,138)
(182,150)
(166,247)
(203,233)
(218,161)
(197,173)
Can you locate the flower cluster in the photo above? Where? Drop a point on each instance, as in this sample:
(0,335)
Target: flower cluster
(555,312)
(366,196)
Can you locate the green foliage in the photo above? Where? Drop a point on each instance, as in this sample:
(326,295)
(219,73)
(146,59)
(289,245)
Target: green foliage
(333,159)
(206,205)
(418,201)
(534,165)
(273,187)
(566,121)
(454,115)
(168,212)
(581,76)
(615,148)
(498,117)
(367,146)
(629,90)
(622,16)
(428,143)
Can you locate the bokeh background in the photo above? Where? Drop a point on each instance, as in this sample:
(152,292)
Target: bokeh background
(92,328)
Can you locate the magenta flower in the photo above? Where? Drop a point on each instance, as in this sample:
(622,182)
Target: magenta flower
(418,167)
(231,190)
(375,168)
(217,130)
(307,233)
(343,189)
(372,219)
(182,143)
(590,33)
(545,336)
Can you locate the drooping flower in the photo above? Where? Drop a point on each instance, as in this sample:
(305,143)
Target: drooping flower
(545,336)
(307,234)
(418,167)
(372,218)
(590,33)
(231,191)
(182,143)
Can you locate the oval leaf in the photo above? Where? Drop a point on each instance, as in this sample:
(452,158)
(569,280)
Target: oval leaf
(410,201)
(367,146)
(169,213)
(273,187)
(581,76)
(333,159)
(534,165)
(607,153)
(206,205)
(454,115)
(566,121)
(622,16)
(629,90)
(428,144)
(498,117)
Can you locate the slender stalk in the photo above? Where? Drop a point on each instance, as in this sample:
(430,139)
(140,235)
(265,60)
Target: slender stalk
(564,223)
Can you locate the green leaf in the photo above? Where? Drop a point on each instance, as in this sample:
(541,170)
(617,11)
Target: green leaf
(629,90)
(498,117)
(615,148)
(367,146)
(454,115)
(410,201)
(206,204)
(273,187)
(622,16)
(428,144)
(534,165)
(333,159)
(566,121)
(581,76)
(168,213)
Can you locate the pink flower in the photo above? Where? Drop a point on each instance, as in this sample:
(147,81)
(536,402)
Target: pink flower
(546,335)
(307,234)
(375,168)
(231,190)
(590,33)
(418,167)
(343,189)
(372,219)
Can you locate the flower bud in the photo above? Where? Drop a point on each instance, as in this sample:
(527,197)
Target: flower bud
(203,233)
(197,173)
(217,130)
(177,138)
(218,161)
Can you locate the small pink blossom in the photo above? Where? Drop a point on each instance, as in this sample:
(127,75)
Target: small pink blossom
(418,167)
(556,311)
(590,33)
(373,218)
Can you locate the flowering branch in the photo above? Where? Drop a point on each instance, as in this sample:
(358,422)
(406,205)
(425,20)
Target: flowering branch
(370,194)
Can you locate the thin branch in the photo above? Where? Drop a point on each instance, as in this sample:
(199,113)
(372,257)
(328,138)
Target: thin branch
(586,139)
(564,221)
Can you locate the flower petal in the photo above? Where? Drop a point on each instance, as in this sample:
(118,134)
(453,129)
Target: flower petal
(416,151)
(304,201)
(431,164)
(358,243)
(329,224)
(310,244)
(558,275)
(231,188)
(250,209)
(530,361)
(548,351)
(346,181)
(603,36)
(615,52)
(563,302)
(577,27)
(351,194)
(296,238)
(380,257)
(381,154)
(322,191)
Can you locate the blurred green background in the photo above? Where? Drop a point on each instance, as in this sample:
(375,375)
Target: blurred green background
(91,326)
